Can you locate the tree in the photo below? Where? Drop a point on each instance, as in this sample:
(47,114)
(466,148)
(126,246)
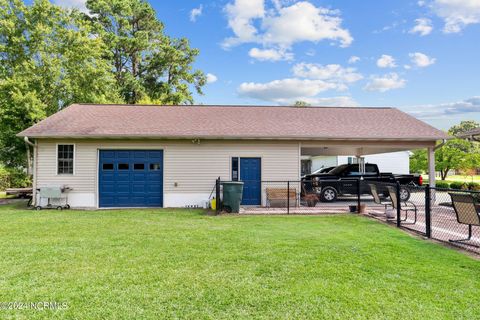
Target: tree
(456,154)
(452,156)
(462,127)
(418,161)
(48,60)
(148,65)
(300,103)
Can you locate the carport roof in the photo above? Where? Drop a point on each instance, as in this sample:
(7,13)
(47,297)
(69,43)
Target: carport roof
(470,133)
(233,122)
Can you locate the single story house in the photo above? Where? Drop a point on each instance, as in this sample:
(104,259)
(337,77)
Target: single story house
(170,156)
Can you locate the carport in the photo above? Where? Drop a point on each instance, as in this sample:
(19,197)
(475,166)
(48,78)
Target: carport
(359,148)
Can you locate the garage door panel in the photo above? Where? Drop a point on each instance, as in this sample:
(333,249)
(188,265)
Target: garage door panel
(125,178)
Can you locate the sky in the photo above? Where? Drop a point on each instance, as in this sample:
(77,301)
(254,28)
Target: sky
(419,56)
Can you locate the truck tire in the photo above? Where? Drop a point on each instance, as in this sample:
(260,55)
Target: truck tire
(328,194)
(404,194)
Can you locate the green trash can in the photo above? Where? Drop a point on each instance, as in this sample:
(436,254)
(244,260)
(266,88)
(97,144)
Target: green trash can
(232,196)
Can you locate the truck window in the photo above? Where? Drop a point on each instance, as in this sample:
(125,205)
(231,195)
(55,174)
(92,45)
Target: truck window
(352,171)
(370,170)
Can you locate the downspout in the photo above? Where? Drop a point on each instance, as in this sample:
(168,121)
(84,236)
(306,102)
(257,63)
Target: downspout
(440,145)
(32,168)
(29,159)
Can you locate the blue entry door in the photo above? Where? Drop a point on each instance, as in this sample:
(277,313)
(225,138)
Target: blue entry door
(130,178)
(251,175)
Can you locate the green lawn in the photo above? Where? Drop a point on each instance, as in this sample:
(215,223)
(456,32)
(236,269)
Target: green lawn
(457,178)
(3,195)
(153,264)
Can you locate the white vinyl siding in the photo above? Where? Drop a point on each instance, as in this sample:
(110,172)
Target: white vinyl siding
(188,167)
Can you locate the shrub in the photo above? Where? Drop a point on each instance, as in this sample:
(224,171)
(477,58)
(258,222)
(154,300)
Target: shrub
(4,179)
(473,186)
(458,185)
(13,178)
(442,184)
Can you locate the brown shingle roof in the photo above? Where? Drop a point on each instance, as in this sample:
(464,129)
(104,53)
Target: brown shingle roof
(233,122)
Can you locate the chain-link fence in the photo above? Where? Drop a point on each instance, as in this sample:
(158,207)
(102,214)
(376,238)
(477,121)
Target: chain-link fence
(446,215)
(298,197)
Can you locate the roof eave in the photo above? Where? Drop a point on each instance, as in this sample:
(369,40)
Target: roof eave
(295,138)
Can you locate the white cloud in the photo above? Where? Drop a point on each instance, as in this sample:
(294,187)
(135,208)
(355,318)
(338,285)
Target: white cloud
(72,4)
(423,27)
(270,54)
(332,73)
(457,14)
(304,22)
(211,78)
(282,26)
(353,59)
(240,19)
(285,89)
(195,13)
(385,83)
(467,106)
(307,82)
(341,101)
(386,61)
(421,60)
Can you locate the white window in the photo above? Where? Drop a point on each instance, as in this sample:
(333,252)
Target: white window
(65,158)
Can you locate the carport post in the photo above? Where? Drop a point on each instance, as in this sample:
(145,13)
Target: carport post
(431,166)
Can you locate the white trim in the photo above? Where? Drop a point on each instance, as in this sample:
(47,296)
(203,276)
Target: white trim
(56,158)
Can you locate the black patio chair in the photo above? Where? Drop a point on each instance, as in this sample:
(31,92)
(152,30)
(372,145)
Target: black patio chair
(466,211)
(405,206)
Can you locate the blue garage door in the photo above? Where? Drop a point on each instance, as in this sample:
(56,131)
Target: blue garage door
(131,178)
(250,174)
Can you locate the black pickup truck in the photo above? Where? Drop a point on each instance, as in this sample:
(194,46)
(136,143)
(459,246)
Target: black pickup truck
(342,181)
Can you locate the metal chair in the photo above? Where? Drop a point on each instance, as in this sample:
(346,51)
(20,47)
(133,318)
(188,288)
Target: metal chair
(466,211)
(407,206)
(376,197)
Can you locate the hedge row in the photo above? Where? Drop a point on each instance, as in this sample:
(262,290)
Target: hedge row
(458,185)
(13,178)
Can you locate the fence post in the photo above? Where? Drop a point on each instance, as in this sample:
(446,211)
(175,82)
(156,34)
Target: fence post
(288,197)
(358,195)
(399,205)
(428,212)
(217,195)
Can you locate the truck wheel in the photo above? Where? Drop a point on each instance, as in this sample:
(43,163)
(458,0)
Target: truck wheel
(404,194)
(329,194)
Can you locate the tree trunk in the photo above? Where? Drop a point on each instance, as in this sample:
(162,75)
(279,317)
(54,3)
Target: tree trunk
(443,173)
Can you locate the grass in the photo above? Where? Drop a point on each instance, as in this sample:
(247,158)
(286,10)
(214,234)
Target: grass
(457,178)
(3,195)
(151,264)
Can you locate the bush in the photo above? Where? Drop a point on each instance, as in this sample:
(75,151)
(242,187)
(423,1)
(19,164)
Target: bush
(4,179)
(473,186)
(458,185)
(13,178)
(442,184)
